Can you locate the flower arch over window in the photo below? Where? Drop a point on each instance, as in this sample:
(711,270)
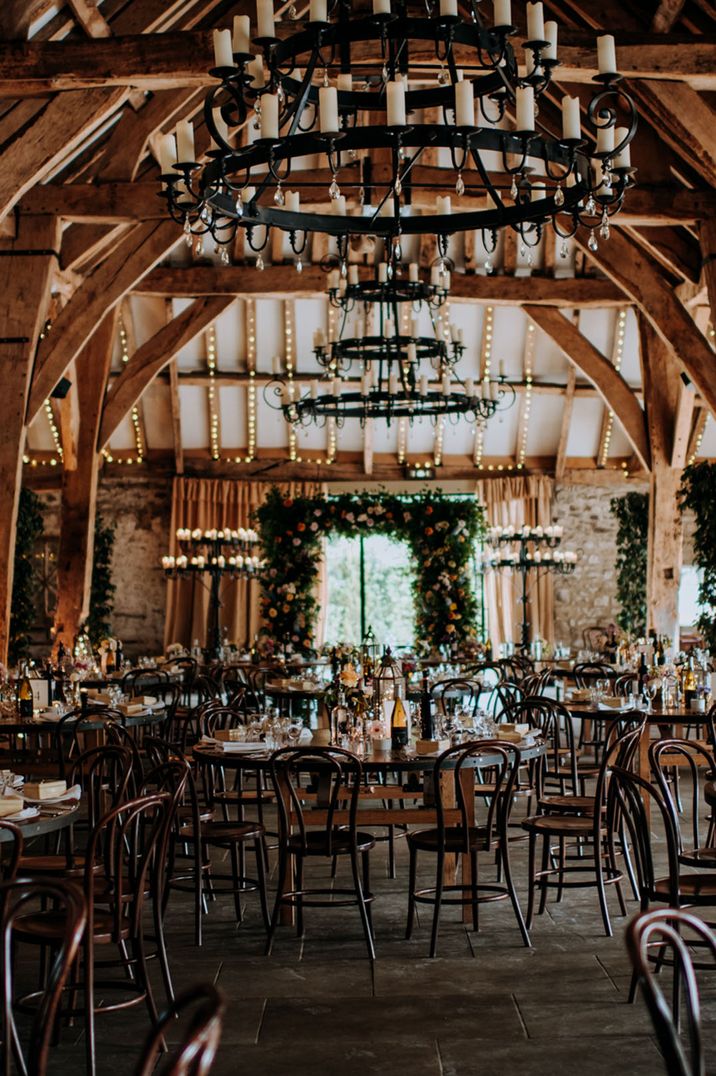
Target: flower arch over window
(440,531)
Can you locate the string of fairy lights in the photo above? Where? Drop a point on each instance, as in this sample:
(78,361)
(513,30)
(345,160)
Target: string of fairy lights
(251,390)
(529,355)
(617,356)
(488,325)
(214,422)
(289,340)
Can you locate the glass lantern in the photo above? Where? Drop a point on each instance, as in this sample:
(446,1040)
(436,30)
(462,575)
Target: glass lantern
(369,655)
(389,679)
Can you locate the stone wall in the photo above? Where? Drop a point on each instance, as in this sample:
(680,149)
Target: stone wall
(588,597)
(140,507)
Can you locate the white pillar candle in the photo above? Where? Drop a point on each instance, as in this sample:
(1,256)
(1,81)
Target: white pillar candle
(503,12)
(525,107)
(413,274)
(448,7)
(255,71)
(328,109)
(383,272)
(550,29)
(241,36)
(344,82)
(314,389)
(336,386)
(423,384)
(464,104)
(318,11)
(353,277)
(446,384)
(469,387)
(435,275)
(333,279)
(395,98)
(277,364)
(415,326)
(269,115)
(412,353)
(623,159)
(167,153)
(443,206)
(223,56)
(319,338)
(293,201)
(606,55)
(264,18)
(185,142)
(381,7)
(339,205)
(535,22)
(393,384)
(248,194)
(365,385)
(571,127)
(605,139)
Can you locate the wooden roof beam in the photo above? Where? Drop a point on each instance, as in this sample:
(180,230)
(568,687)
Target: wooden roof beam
(666,15)
(90,18)
(614,390)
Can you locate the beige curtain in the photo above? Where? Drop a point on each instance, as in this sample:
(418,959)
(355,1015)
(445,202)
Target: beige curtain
(208,503)
(518,501)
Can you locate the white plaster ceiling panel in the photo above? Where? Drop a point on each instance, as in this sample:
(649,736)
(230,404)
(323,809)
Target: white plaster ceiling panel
(458,438)
(269,332)
(148,314)
(231,338)
(350,437)
(193,355)
(232,416)
(544,425)
(708,442)
(122,440)
(194,416)
(311,439)
(598,327)
(157,408)
(501,432)
(619,444)
(271,427)
(585,427)
(310,314)
(385,438)
(508,335)
(631,366)
(549,362)
(421,437)
(39,435)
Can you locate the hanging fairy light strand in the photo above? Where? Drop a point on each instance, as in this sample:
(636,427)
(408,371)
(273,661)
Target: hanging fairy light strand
(251,390)
(617,356)
(214,434)
(527,399)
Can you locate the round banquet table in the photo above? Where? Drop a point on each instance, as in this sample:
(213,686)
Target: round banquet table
(90,723)
(42,825)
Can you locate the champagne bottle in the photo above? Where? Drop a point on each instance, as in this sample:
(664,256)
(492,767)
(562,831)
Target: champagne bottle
(110,666)
(24,696)
(643,673)
(427,725)
(399,725)
(689,683)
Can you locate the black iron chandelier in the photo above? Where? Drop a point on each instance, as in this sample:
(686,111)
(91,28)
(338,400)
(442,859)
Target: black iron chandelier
(339,109)
(389,368)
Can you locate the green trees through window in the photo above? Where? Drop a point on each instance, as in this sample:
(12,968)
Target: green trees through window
(386,588)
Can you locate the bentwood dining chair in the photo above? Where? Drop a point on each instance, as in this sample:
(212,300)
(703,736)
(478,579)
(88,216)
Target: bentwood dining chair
(196,1021)
(676,936)
(465,836)
(697,760)
(328,829)
(21,900)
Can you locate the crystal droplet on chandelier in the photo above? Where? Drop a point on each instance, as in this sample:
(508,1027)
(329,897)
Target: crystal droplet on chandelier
(278,197)
(592,241)
(564,249)
(513,189)
(299,265)
(260,263)
(334,191)
(460,185)
(559,196)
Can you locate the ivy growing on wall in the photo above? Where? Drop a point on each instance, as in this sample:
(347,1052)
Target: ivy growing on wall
(29,529)
(440,532)
(698,492)
(102,588)
(632,515)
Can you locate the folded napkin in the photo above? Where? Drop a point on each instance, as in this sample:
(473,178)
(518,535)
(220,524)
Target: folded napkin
(70,797)
(10,803)
(626,708)
(47,717)
(131,709)
(234,747)
(23,815)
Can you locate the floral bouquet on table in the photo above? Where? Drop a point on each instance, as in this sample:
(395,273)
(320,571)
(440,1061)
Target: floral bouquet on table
(176,650)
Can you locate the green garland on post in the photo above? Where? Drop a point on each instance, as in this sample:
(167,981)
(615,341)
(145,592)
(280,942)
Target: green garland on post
(440,532)
(698,492)
(29,529)
(102,588)
(632,515)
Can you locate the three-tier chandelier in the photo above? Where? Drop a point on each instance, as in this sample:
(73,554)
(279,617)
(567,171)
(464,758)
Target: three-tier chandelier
(389,366)
(347,105)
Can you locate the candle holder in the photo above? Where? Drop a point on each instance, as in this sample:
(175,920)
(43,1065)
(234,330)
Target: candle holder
(527,550)
(214,554)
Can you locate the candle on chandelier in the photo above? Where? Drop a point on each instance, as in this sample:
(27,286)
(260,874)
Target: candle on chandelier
(336,386)
(328,109)
(448,8)
(413,273)
(446,384)
(464,104)
(248,194)
(185,142)
(167,153)
(333,278)
(393,384)
(318,11)
(383,273)
(469,387)
(415,326)
(605,139)
(264,18)
(353,274)
(525,108)
(319,338)
(242,34)
(395,98)
(550,29)
(269,115)
(423,385)
(412,352)
(339,205)
(223,56)
(365,385)
(443,205)
(535,22)
(606,55)
(381,7)
(623,158)
(503,12)
(255,71)
(293,201)
(389,327)
(313,389)
(571,126)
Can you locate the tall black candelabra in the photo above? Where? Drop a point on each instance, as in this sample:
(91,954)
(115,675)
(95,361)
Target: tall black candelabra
(526,550)
(216,555)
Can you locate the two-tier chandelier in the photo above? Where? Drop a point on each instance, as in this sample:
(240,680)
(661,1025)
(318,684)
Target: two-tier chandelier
(389,366)
(346,106)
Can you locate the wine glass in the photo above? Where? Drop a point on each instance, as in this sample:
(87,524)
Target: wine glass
(651,688)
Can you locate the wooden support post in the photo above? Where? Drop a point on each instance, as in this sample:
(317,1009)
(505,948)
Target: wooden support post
(79,487)
(660,374)
(25,280)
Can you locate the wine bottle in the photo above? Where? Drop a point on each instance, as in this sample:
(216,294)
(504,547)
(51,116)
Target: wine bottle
(488,649)
(689,683)
(399,726)
(427,725)
(643,673)
(24,697)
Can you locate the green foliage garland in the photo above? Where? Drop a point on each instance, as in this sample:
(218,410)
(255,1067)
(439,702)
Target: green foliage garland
(698,492)
(102,588)
(632,515)
(29,529)
(440,532)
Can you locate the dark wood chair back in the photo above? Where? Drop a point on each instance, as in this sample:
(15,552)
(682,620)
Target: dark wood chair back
(503,760)
(337,775)
(196,1020)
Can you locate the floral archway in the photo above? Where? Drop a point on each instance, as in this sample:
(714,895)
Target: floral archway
(439,530)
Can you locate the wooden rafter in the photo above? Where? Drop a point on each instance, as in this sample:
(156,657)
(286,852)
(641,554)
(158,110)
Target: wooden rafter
(90,18)
(667,15)
(560,463)
(176,417)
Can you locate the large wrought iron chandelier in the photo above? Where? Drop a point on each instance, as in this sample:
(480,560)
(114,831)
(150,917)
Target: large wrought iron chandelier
(388,367)
(338,106)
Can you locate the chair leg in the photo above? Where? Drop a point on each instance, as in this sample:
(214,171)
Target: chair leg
(366,891)
(411,890)
(438,902)
(298,886)
(601,888)
(282,867)
(162,952)
(88,964)
(236,876)
(473,891)
(546,852)
(362,904)
(509,883)
(259,846)
(532,879)
(391,852)
(560,877)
